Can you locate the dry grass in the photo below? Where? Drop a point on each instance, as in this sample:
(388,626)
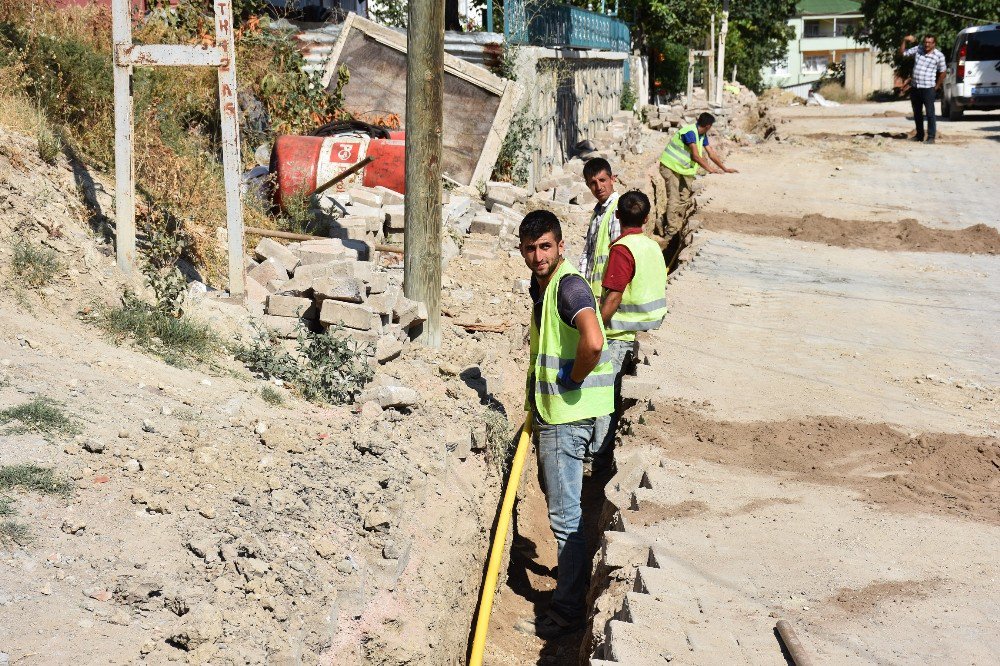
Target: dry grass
(835,92)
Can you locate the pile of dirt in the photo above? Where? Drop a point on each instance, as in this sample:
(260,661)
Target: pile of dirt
(907,235)
(950,473)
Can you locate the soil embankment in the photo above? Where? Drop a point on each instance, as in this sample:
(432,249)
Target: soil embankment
(905,235)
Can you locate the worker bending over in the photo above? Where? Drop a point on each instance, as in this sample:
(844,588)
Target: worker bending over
(634,300)
(687,150)
(603,224)
(570,386)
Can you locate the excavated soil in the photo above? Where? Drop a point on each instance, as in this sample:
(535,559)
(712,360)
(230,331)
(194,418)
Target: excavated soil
(906,235)
(942,472)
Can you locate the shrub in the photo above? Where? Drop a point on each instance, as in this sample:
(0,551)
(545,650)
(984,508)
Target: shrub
(499,440)
(628,96)
(40,415)
(325,367)
(34,265)
(49,144)
(271,396)
(177,340)
(516,150)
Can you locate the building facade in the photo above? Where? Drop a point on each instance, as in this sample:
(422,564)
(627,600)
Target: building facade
(824,34)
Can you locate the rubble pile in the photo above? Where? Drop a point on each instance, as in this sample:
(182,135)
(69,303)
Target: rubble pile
(742,119)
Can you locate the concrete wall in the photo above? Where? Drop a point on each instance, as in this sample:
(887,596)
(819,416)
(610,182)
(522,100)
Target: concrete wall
(570,95)
(863,74)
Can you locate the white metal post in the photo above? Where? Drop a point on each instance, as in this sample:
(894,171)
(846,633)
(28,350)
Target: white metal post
(121,36)
(223,56)
(231,158)
(721,63)
(690,82)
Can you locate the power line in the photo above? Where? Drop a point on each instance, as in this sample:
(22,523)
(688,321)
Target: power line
(945,11)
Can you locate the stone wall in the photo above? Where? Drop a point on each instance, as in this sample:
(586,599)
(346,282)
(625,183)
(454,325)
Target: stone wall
(569,95)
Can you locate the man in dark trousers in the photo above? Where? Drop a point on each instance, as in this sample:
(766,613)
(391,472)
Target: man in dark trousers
(569,388)
(928,77)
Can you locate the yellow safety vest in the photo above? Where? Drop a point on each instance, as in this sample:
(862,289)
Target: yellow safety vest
(644,303)
(553,345)
(675,155)
(602,247)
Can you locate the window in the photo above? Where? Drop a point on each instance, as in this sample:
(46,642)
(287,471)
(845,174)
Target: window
(815,63)
(983,45)
(811,29)
(848,27)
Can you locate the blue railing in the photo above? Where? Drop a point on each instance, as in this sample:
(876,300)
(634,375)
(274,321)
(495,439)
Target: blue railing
(564,25)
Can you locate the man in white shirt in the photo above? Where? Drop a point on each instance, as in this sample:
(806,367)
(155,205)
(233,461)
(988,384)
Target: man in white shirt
(928,77)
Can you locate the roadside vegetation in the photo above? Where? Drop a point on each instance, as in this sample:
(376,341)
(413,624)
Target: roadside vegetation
(30,478)
(324,368)
(40,415)
(34,265)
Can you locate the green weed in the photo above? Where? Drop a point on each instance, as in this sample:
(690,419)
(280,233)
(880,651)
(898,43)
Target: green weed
(271,396)
(32,478)
(40,415)
(516,150)
(50,144)
(325,367)
(34,265)
(177,340)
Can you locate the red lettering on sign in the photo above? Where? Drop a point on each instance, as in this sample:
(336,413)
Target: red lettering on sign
(224,26)
(229,108)
(226,90)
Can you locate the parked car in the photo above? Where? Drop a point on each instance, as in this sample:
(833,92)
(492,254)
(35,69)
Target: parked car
(973,77)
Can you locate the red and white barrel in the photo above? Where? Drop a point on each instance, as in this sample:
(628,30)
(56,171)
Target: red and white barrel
(300,164)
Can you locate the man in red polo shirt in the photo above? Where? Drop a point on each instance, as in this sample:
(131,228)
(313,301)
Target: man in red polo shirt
(633,300)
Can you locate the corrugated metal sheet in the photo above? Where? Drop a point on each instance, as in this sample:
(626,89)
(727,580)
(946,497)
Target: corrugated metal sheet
(480,48)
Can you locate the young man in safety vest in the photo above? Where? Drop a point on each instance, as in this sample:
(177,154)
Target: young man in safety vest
(570,386)
(634,300)
(687,150)
(603,224)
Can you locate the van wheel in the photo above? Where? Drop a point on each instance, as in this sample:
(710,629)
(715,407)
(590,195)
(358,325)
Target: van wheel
(954,112)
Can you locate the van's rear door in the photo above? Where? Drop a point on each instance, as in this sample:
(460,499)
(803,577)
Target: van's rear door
(982,61)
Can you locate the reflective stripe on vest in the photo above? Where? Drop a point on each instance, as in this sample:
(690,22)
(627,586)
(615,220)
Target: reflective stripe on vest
(643,303)
(553,345)
(675,155)
(602,248)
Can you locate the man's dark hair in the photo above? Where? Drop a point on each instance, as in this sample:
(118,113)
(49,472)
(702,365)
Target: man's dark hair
(930,36)
(633,208)
(706,119)
(596,166)
(537,223)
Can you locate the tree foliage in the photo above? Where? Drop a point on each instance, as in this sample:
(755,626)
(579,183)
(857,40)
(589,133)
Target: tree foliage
(888,21)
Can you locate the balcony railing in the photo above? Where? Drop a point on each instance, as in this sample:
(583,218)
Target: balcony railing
(564,25)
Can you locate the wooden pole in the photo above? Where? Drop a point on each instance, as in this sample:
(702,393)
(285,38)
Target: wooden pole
(424,119)
(121,28)
(720,75)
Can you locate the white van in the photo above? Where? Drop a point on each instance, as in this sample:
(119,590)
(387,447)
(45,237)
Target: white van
(973,78)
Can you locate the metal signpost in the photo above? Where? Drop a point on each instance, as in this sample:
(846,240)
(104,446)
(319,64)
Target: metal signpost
(222,56)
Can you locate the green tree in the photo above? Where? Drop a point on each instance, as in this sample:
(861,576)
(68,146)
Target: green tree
(888,21)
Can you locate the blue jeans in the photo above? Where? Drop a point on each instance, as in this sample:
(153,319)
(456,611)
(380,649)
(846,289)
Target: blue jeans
(921,99)
(560,457)
(601,447)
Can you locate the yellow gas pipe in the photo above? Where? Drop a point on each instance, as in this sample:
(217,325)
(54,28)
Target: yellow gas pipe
(496,551)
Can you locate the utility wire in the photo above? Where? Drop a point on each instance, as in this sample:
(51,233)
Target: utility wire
(945,11)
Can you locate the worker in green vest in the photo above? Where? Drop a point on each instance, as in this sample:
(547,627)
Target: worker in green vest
(603,226)
(634,300)
(687,150)
(570,386)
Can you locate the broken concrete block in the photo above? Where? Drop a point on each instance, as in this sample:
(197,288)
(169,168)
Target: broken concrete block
(622,549)
(350,315)
(291,306)
(365,196)
(268,248)
(378,282)
(391,396)
(347,289)
(487,223)
(456,208)
(342,267)
(268,270)
(362,210)
(505,194)
(388,348)
(284,327)
(322,251)
(297,286)
(409,313)
(274,286)
(394,218)
(384,303)
(458,440)
(389,197)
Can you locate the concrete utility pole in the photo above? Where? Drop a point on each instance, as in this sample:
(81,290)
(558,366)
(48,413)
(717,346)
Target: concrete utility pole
(710,65)
(721,73)
(424,120)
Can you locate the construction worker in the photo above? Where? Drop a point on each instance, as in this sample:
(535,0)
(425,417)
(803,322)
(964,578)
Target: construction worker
(634,300)
(687,150)
(603,225)
(570,386)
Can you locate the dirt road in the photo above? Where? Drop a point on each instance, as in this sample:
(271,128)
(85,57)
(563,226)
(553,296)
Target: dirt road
(827,417)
